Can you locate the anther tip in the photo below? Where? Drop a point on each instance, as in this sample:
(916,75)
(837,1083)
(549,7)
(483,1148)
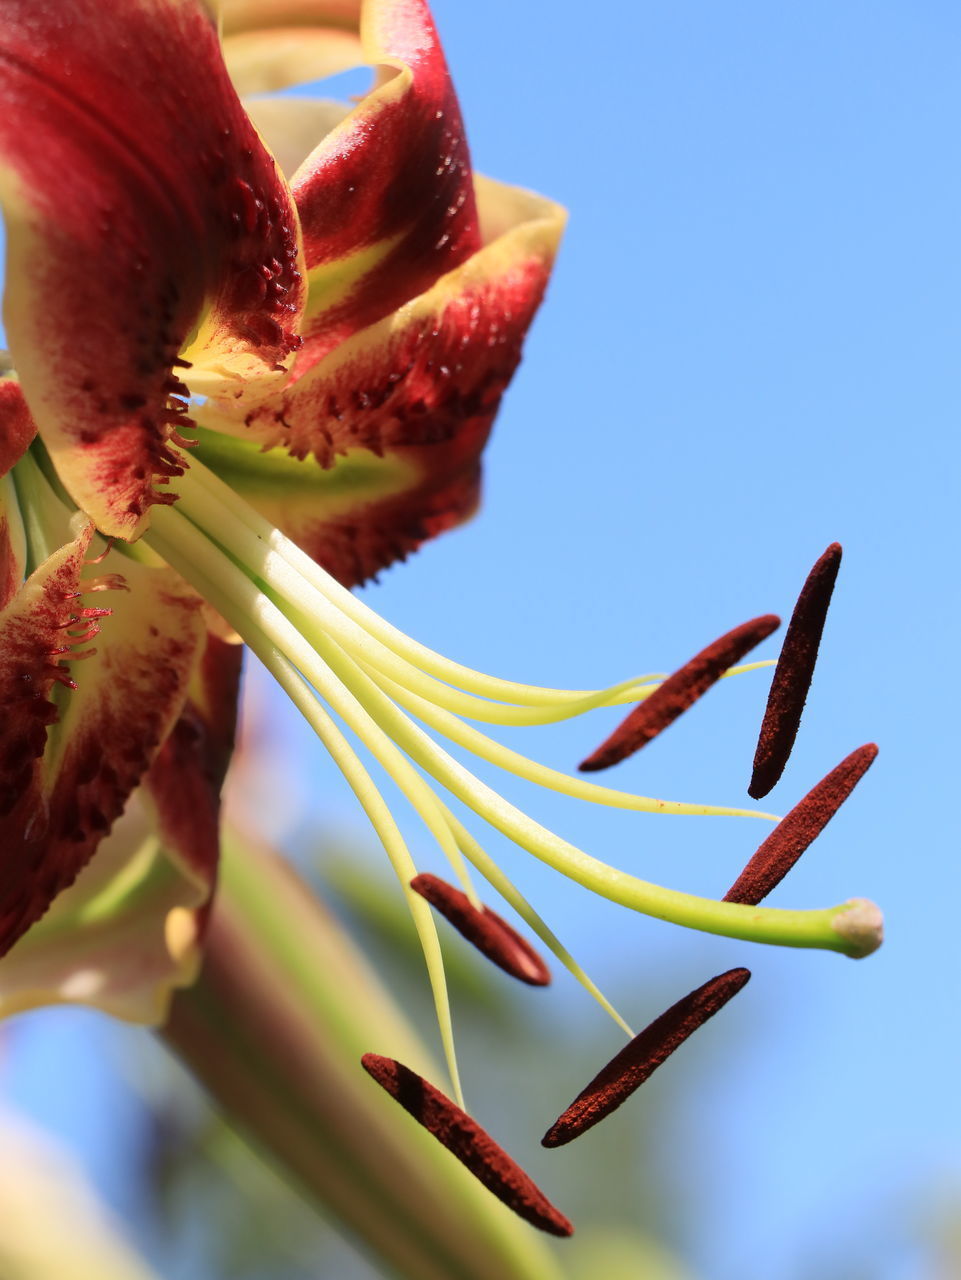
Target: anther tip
(678,692)
(637,1061)
(486,930)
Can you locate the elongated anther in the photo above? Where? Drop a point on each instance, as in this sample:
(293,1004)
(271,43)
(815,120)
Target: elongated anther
(792,835)
(793,674)
(629,1069)
(491,935)
(678,692)
(465,1139)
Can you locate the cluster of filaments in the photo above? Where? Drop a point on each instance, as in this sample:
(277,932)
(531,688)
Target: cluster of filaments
(332,654)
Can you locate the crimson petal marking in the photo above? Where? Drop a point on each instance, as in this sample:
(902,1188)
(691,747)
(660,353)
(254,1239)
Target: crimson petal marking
(184,782)
(386,201)
(67,770)
(139,159)
(420,388)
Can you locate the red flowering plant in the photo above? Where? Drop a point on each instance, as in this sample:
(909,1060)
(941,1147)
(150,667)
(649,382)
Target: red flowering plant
(234,394)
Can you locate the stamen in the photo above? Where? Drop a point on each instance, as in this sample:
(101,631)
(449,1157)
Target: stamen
(678,692)
(465,1139)
(793,674)
(103,554)
(629,1069)
(792,835)
(105,582)
(491,935)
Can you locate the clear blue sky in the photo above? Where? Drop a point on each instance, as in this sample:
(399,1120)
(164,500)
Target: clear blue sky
(750,349)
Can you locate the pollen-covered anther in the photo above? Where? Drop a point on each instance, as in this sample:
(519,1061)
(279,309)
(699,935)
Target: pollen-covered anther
(491,935)
(792,835)
(465,1139)
(793,674)
(638,1060)
(678,692)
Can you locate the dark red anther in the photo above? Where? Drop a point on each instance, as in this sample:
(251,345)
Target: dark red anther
(792,835)
(793,674)
(629,1069)
(678,692)
(465,1139)
(491,935)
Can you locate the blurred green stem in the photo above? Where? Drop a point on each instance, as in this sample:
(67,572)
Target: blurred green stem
(275,1027)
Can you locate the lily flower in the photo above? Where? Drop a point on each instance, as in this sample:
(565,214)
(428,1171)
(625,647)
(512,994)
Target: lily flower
(263,389)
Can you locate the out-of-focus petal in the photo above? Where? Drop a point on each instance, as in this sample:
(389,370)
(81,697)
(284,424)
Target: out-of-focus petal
(71,756)
(122,938)
(17,428)
(271,44)
(129,931)
(123,144)
(397,416)
(52,1225)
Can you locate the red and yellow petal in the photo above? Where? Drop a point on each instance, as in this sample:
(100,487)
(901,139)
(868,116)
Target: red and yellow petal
(78,735)
(270,44)
(142,211)
(385,200)
(397,416)
(16,432)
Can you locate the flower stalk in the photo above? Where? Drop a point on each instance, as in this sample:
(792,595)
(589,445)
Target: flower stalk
(275,1028)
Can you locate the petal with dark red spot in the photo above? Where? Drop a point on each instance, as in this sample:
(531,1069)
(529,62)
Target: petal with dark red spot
(142,210)
(391,424)
(76,739)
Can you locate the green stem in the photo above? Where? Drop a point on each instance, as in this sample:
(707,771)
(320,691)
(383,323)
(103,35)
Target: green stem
(275,1028)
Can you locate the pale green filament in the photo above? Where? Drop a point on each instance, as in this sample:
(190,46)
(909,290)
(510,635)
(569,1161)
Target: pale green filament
(343,755)
(507,890)
(211,503)
(251,611)
(320,623)
(213,572)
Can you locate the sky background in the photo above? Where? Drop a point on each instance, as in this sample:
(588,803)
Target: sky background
(749,350)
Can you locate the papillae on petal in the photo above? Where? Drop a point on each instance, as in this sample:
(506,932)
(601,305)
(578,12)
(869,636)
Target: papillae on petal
(391,424)
(84,714)
(130,930)
(142,211)
(385,196)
